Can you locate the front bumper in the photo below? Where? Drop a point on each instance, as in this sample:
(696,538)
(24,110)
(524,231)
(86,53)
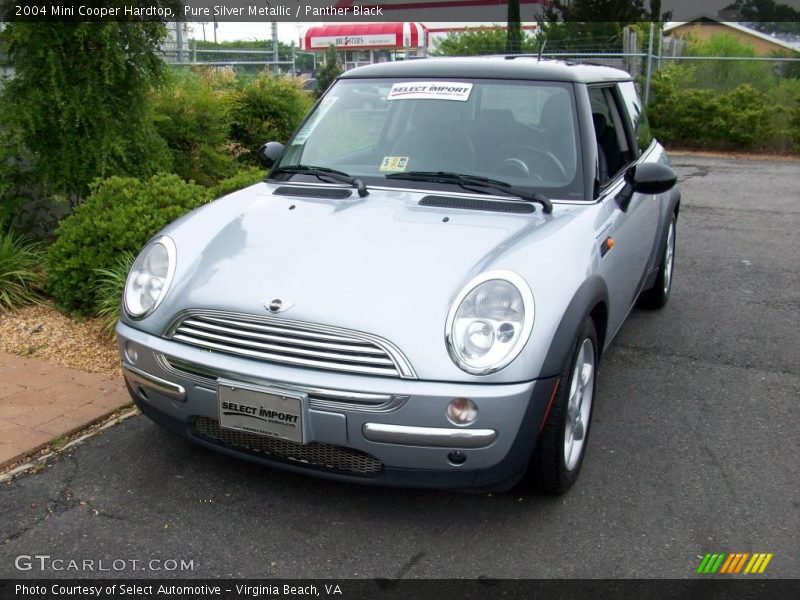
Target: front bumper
(368,429)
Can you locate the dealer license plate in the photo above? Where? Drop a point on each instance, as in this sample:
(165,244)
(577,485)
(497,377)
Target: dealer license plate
(264,412)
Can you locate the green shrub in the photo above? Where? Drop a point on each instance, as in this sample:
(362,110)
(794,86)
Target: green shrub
(742,119)
(21,271)
(120,215)
(193,117)
(794,125)
(727,75)
(748,118)
(108,291)
(267,108)
(241,180)
(78,101)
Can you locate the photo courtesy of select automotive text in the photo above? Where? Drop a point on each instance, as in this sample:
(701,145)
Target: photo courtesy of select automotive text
(391,299)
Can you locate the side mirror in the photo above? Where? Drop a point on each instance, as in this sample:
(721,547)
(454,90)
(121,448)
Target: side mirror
(269,154)
(646,178)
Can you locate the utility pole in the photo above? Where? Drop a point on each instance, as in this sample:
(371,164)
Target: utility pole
(275,55)
(649,64)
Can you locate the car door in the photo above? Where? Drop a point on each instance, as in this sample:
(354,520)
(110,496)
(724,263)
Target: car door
(628,233)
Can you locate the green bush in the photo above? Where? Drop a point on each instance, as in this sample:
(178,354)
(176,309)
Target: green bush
(267,108)
(108,291)
(241,180)
(193,117)
(742,119)
(725,76)
(21,271)
(794,125)
(120,215)
(747,117)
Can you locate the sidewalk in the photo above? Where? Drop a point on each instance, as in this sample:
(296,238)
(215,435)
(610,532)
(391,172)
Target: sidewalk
(40,401)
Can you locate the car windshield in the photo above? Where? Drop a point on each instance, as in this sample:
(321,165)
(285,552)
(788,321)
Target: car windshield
(523,133)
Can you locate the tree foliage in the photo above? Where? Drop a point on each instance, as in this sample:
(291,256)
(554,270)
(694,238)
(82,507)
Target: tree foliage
(574,25)
(192,114)
(478,41)
(768,16)
(513,29)
(266,108)
(329,71)
(77,107)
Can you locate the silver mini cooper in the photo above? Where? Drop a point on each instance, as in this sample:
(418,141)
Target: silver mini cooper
(421,291)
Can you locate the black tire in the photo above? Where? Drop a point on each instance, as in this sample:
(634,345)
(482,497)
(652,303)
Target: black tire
(658,295)
(549,471)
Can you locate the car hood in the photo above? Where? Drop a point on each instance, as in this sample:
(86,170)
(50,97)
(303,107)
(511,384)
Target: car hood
(382,264)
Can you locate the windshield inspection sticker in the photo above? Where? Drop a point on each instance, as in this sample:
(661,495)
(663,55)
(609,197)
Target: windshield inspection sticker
(394,164)
(430,90)
(324,107)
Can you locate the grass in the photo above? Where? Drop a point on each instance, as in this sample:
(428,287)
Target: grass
(109,288)
(21,271)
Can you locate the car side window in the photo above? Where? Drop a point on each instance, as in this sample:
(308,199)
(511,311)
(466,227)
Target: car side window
(614,152)
(641,128)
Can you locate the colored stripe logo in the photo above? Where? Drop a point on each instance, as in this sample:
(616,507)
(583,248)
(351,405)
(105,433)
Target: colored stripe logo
(734,563)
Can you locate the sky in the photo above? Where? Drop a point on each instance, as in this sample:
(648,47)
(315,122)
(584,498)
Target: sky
(227,31)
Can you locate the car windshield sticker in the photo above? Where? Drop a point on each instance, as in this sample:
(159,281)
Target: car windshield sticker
(394,164)
(430,90)
(323,108)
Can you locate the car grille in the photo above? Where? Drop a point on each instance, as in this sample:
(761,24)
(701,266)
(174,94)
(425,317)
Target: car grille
(291,342)
(321,456)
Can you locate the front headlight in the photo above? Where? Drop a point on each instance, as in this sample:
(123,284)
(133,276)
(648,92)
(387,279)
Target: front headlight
(149,278)
(489,322)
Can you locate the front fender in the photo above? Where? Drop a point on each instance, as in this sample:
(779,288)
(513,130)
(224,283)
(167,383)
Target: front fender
(591,298)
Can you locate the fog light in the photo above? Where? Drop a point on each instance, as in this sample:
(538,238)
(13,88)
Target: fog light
(131,353)
(457,457)
(462,411)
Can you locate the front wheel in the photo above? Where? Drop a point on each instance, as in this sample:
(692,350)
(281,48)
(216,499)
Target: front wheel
(657,296)
(562,443)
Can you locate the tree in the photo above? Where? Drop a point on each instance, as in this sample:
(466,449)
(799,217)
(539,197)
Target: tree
(575,26)
(514,29)
(329,71)
(767,15)
(479,41)
(77,107)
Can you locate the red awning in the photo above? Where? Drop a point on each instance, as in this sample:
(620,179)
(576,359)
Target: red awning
(366,35)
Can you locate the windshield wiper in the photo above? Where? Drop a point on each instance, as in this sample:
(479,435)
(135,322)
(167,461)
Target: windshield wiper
(321,173)
(474,180)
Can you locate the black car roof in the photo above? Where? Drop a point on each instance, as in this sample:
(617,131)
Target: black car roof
(491,67)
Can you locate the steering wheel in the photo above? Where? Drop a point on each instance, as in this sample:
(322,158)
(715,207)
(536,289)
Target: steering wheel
(519,159)
(456,152)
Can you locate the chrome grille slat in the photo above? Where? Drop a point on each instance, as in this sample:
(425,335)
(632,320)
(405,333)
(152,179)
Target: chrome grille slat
(289,342)
(280,358)
(275,329)
(314,454)
(273,348)
(362,348)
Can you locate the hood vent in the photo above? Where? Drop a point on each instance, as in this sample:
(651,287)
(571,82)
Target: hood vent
(519,208)
(304,192)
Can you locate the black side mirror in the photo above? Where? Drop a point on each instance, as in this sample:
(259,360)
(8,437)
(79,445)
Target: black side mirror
(646,178)
(269,154)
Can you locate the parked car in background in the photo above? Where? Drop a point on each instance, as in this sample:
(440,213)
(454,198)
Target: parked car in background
(422,290)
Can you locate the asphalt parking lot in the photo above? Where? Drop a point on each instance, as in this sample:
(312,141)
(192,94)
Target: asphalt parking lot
(695,448)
